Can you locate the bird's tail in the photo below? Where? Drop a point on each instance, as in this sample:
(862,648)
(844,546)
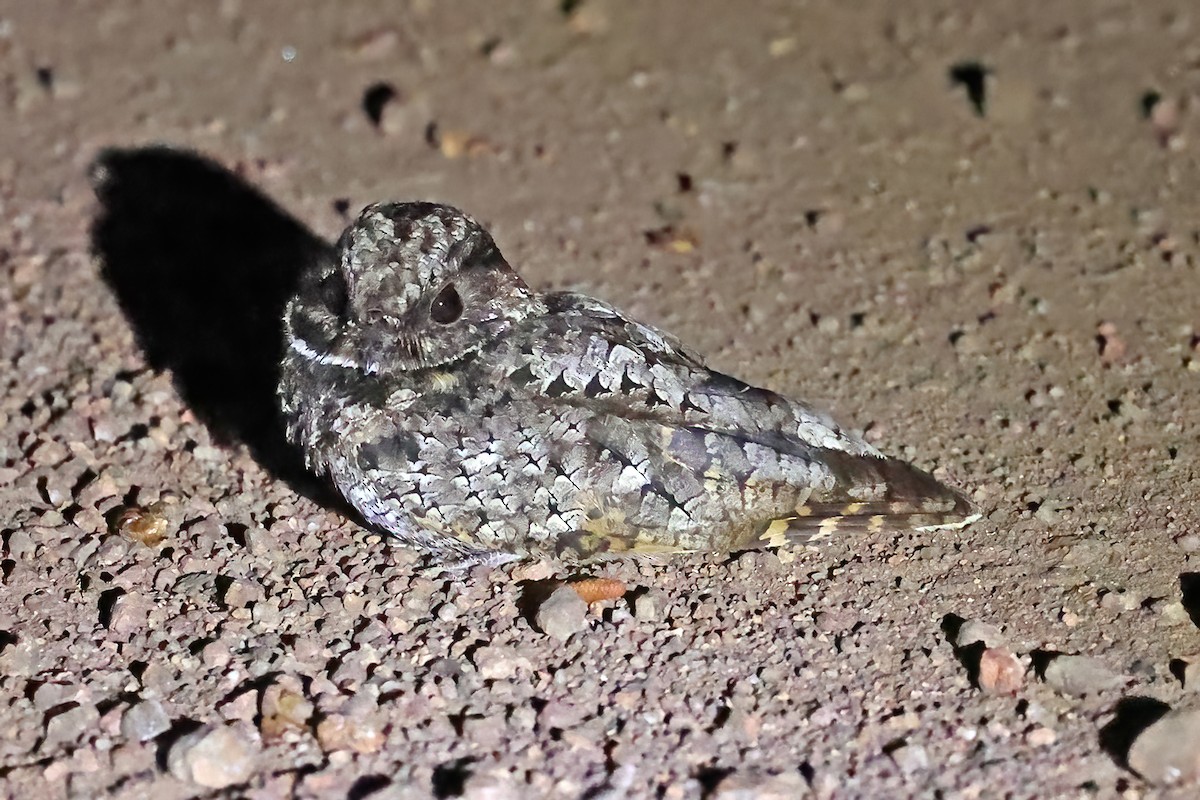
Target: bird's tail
(871,494)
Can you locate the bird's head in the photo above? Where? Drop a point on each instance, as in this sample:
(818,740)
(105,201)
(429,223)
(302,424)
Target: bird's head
(415,286)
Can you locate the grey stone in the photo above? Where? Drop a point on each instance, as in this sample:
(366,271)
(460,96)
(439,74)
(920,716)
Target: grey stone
(1168,752)
(1079,675)
(144,721)
(562,614)
(215,757)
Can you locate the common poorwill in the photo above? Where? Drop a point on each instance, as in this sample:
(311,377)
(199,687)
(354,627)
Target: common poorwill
(475,418)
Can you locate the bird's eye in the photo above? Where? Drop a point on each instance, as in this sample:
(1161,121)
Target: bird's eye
(447,306)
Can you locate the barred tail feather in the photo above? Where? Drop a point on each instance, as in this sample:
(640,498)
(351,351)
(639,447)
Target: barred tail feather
(871,494)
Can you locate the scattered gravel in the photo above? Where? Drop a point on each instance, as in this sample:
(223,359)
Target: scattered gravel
(165,562)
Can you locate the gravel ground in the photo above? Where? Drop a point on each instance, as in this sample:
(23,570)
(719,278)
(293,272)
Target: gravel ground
(972,231)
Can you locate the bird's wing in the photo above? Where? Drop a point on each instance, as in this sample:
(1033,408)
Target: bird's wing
(586,352)
(687,449)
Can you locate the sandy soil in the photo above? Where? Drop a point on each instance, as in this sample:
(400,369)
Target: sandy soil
(974,235)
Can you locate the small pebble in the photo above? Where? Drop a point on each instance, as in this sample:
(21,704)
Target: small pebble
(360,734)
(835,621)
(1112,347)
(72,724)
(562,614)
(1079,675)
(144,721)
(146,526)
(1168,752)
(1174,613)
(1041,737)
(972,631)
(1119,600)
(910,758)
(243,706)
(597,590)
(240,593)
(129,614)
(756,784)
(215,654)
(284,707)
(483,731)
(1189,542)
(213,756)
(532,571)
(497,662)
(483,786)
(51,694)
(649,606)
(1000,671)
(20,544)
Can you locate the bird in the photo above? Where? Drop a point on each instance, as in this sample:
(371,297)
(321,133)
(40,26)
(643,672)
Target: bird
(481,421)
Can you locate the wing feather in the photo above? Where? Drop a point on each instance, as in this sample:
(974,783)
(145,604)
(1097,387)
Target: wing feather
(688,458)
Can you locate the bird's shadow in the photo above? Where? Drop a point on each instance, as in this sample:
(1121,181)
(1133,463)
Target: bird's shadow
(202,264)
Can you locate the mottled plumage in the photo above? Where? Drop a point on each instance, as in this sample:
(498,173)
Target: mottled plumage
(475,418)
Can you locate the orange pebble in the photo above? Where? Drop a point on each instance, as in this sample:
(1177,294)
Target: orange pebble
(596,590)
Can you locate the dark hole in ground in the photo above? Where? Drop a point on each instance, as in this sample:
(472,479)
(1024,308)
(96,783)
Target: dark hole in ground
(108,599)
(972,76)
(375,98)
(221,587)
(1189,588)
(449,779)
(368,785)
(709,777)
(237,532)
(1148,101)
